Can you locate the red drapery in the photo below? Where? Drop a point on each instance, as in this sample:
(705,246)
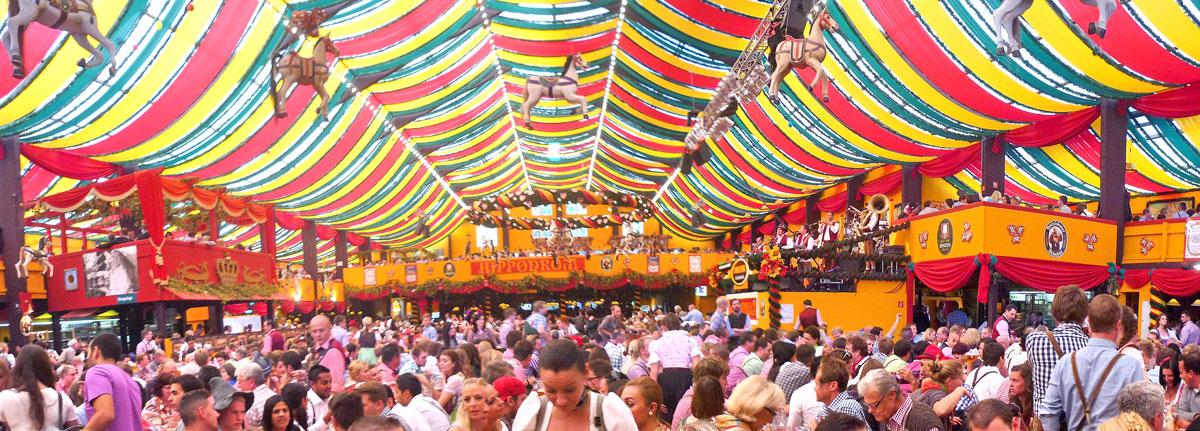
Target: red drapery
(796,217)
(1049,276)
(882,185)
(355,239)
(946,275)
(1053,130)
(950,163)
(833,203)
(1177,103)
(70,165)
(1171,281)
(289,221)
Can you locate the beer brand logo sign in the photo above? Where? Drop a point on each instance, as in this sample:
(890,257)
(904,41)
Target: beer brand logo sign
(1015,232)
(1055,239)
(1191,245)
(945,236)
(1090,240)
(449,269)
(528,265)
(606,263)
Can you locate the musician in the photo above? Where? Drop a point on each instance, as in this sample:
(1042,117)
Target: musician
(876,221)
(782,239)
(829,229)
(759,246)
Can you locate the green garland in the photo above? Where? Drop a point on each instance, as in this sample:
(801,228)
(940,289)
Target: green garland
(224,292)
(531,282)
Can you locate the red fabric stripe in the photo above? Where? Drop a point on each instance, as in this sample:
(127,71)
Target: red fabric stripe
(927,57)
(646,109)
(1087,147)
(555,48)
(579,124)
(722,190)
(442,80)
(38,41)
(483,189)
(479,146)
(1130,45)
(264,138)
(672,68)
(456,121)
(714,17)
(68,164)
(1053,130)
(864,125)
(402,28)
(675,147)
(35,183)
(741,164)
(328,161)
(199,72)
(394,153)
(627,161)
(771,132)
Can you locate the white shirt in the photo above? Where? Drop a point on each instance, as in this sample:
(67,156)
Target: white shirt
(803,408)
(14,410)
(1015,356)
(255,412)
(617,416)
(340,334)
(413,419)
(435,417)
(986,381)
(189,368)
(316,410)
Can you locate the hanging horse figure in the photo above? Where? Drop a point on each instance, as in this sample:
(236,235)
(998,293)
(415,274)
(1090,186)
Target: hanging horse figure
(1008,38)
(41,255)
(807,52)
(76,17)
(306,66)
(564,86)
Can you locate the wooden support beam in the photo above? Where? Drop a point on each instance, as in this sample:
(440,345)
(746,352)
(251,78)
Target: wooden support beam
(992,155)
(1114,200)
(12,233)
(910,188)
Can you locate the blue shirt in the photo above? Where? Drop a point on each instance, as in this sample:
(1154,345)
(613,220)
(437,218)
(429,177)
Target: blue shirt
(719,321)
(1062,397)
(429,332)
(694,316)
(538,322)
(958,317)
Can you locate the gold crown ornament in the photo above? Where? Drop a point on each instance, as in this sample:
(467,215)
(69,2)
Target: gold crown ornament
(227,270)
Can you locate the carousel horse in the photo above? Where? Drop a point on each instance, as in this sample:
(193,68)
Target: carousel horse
(76,17)
(1004,22)
(307,66)
(564,86)
(41,255)
(807,52)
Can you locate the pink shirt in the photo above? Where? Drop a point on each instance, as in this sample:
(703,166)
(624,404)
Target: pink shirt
(335,361)
(736,374)
(675,349)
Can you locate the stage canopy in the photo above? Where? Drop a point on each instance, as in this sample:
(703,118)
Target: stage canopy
(424,101)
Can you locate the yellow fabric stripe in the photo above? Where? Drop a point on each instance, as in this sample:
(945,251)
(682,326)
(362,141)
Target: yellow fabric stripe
(682,128)
(553,35)
(872,108)
(835,125)
(659,51)
(1029,183)
(643,172)
(1172,23)
(443,65)
(212,100)
(614,122)
(649,75)
(1061,38)
(339,169)
(740,148)
(897,65)
(423,37)
(747,8)
(689,27)
(60,69)
(799,139)
(955,39)
(455,87)
(325,203)
(556,62)
(1063,158)
(363,24)
(167,62)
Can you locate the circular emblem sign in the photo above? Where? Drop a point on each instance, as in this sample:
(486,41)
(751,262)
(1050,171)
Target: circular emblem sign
(606,263)
(1056,239)
(449,269)
(739,272)
(945,236)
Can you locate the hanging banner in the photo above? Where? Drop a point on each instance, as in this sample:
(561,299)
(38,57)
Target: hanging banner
(1191,248)
(531,265)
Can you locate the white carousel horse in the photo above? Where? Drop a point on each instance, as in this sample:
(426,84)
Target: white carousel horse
(564,86)
(76,17)
(807,52)
(41,255)
(1004,22)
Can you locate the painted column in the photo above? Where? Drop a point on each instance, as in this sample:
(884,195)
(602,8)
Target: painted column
(1114,127)
(12,233)
(910,189)
(340,255)
(992,155)
(309,245)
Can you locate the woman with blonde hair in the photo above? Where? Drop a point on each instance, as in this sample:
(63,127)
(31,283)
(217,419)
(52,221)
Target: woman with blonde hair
(476,407)
(639,357)
(645,399)
(942,388)
(755,402)
(357,371)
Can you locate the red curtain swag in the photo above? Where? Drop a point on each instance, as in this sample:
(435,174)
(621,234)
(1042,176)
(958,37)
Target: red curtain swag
(1178,103)
(1171,281)
(69,165)
(946,275)
(1053,130)
(882,185)
(834,203)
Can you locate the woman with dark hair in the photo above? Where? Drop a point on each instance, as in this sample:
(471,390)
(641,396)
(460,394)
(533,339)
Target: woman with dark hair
(567,405)
(1017,391)
(452,364)
(33,403)
(1168,377)
(471,353)
(480,331)
(708,402)
(159,411)
(277,415)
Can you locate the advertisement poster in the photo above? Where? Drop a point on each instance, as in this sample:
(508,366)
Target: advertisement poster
(111,272)
(787,313)
(1191,243)
(652,264)
(695,265)
(410,273)
(369,277)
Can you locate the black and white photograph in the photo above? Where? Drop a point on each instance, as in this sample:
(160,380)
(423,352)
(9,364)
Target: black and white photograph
(111,272)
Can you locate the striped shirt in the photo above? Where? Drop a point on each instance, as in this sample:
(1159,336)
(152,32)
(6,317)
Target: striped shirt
(675,349)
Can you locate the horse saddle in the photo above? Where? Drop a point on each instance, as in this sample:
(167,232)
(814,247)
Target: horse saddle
(553,81)
(806,47)
(67,6)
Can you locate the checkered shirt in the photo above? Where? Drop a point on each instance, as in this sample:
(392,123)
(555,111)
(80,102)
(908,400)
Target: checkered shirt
(1042,356)
(896,422)
(792,375)
(843,404)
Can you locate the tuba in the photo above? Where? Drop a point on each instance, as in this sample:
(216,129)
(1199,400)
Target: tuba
(879,204)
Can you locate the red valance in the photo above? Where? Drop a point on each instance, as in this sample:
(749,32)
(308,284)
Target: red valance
(1171,281)
(882,185)
(946,275)
(1177,103)
(950,163)
(326,233)
(70,165)
(1048,276)
(355,239)
(1054,130)
(833,204)
(289,221)
(796,217)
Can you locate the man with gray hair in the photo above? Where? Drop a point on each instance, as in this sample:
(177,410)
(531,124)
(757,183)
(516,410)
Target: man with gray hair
(892,410)
(1141,406)
(250,378)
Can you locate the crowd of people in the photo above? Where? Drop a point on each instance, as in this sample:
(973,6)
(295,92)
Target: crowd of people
(645,371)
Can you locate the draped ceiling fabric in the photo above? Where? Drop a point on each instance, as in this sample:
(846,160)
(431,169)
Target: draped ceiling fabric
(422,96)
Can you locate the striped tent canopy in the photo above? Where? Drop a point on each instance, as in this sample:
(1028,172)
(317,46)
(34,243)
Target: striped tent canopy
(424,97)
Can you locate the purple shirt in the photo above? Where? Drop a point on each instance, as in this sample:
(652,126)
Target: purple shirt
(1190,334)
(126,395)
(736,373)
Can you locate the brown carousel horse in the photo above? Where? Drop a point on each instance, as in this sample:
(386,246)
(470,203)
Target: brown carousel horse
(807,52)
(76,17)
(564,86)
(312,71)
